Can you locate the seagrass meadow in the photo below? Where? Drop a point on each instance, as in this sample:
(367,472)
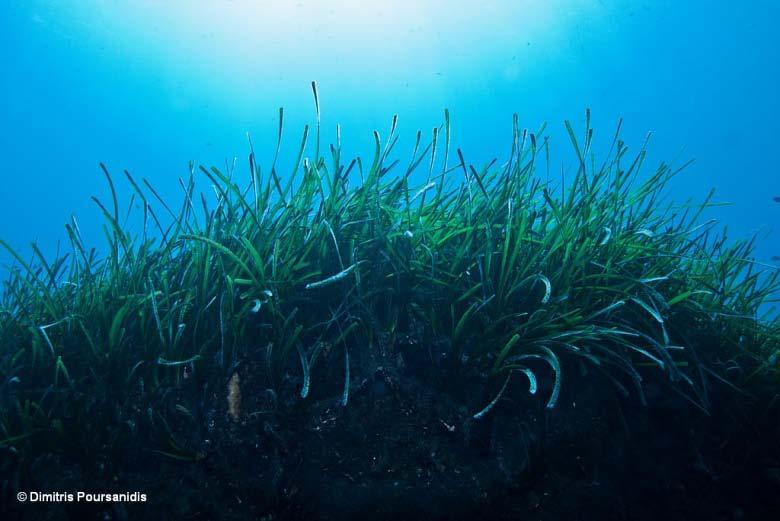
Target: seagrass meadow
(409,335)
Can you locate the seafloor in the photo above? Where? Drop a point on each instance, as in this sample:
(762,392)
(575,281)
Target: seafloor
(406,447)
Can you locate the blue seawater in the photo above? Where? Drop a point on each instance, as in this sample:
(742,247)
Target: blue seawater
(147,86)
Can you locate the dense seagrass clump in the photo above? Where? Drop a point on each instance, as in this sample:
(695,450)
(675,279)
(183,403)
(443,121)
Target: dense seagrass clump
(489,270)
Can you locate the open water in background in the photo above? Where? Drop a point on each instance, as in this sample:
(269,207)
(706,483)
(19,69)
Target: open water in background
(147,86)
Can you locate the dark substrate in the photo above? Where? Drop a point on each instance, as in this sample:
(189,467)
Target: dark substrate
(406,447)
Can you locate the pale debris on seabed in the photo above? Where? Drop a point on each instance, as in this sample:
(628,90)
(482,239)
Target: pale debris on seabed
(234,398)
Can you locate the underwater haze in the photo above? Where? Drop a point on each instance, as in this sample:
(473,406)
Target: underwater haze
(147,86)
